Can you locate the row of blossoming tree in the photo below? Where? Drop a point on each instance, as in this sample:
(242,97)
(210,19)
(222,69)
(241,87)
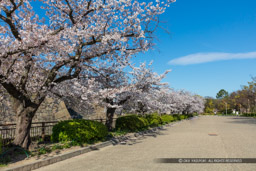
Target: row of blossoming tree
(81,49)
(139,91)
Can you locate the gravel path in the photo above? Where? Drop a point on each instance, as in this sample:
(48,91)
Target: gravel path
(232,137)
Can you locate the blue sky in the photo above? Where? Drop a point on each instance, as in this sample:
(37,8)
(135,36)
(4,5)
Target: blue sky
(202,34)
(211,45)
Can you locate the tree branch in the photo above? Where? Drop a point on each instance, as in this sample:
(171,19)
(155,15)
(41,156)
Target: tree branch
(70,14)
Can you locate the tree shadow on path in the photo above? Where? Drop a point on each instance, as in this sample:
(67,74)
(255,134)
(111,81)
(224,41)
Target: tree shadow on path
(242,120)
(139,137)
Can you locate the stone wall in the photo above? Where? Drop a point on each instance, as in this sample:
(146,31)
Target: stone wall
(50,110)
(79,109)
(6,112)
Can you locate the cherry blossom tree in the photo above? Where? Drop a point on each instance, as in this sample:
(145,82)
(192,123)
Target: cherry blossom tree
(166,100)
(139,91)
(41,51)
(113,88)
(150,88)
(140,87)
(183,102)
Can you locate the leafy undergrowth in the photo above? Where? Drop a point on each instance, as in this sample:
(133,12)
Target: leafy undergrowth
(118,133)
(15,154)
(12,154)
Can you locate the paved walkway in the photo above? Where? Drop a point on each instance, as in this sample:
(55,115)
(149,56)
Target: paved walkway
(236,138)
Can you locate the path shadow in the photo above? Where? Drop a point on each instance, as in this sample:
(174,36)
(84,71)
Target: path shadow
(242,120)
(139,137)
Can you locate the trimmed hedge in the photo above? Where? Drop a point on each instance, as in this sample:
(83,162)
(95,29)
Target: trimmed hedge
(181,117)
(249,114)
(131,123)
(87,131)
(191,115)
(154,120)
(79,130)
(167,118)
(176,117)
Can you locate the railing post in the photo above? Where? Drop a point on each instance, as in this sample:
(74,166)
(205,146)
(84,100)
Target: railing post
(43,131)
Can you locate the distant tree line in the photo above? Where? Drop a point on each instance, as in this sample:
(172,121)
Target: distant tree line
(242,101)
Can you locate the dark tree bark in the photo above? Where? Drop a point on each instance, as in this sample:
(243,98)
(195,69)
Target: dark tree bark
(110,115)
(142,108)
(23,125)
(25,110)
(111,111)
(25,114)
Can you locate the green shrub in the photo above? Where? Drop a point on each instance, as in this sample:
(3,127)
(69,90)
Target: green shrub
(4,161)
(79,130)
(249,114)
(1,144)
(191,115)
(44,150)
(207,114)
(154,120)
(118,133)
(167,118)
(131,123)
(57,147)
(176,117)
(145,122)
(182,117)
(67,145)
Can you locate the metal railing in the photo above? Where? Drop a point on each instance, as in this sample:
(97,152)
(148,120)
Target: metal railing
(38,130)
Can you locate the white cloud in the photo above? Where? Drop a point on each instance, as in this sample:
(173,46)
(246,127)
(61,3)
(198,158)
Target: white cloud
(198,58)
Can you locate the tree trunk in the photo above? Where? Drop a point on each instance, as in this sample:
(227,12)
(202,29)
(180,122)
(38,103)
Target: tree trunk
(110,114)
(23,124)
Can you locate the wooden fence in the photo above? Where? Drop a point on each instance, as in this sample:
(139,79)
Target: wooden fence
(38,130)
